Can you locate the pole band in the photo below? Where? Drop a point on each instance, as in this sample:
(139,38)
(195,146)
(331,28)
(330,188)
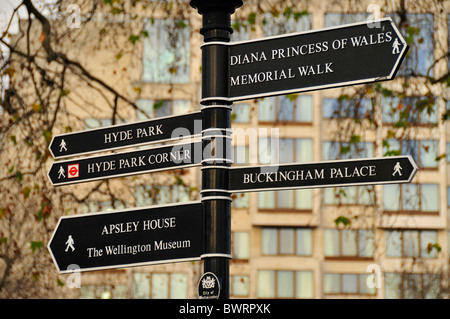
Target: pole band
(216,255)
(216,197)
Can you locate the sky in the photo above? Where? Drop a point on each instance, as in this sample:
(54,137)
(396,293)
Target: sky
(6,9)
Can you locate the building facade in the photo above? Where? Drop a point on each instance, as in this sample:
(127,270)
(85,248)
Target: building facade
(390,241)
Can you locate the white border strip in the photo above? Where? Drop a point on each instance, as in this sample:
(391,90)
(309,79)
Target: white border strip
(216,197)
(214,98)
(215,129)
(230,107)
(214,190)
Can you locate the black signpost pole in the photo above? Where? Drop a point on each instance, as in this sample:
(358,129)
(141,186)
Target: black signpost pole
(216,111)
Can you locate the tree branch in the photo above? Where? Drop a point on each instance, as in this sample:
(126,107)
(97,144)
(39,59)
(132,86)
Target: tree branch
(46,29)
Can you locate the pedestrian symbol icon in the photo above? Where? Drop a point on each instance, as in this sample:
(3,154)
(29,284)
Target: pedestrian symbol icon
(61,172)
(70,243)
(62,146)
(397,169)
(396,47)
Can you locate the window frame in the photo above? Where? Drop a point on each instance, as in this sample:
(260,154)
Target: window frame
(170,275)
(159,75)
(403,281)
(358,198)
(341,255)
(236,258)
(143,117)
(361,103)
(112,289)
(419,149)
(418,211)
(155,189)
(294,244)
(341,285)
(232,278)
(294,283)
(296,104)
(402,231)
(417,118)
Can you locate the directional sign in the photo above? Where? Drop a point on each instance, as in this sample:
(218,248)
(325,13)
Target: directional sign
(370,171)
(316,59)
(125,135)
(136,237)
(127,163)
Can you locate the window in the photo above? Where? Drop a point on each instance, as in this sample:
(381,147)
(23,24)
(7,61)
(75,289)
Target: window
(347,284)
(267,152)
(285,284)
(298,150)
(166,51)
(408,198)
(240,245)
(240,200)
(241,113)
(91,123)
(340,109)
(161,194)
(101,206)
(345,150)
(351,195)
(411,243)
(448,196)
(286,241)
(286,109)
(334,19)
(344,243)
(286,200)
(423,152)
(408,110)
(103,292)
(448,43)
(239,286)
(160,286)
(412,286)
(448,153)
(241,30)
(418,29)
(282,24)
(241,154)
(161,108)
